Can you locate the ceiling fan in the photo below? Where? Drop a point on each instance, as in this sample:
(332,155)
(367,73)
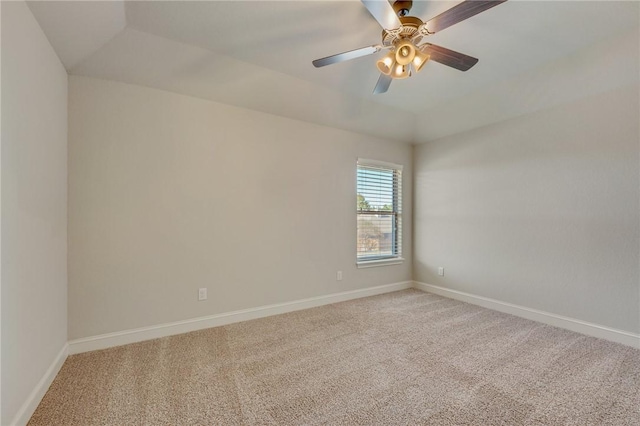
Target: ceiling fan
(402,35)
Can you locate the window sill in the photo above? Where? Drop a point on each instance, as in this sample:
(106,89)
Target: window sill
(381,262)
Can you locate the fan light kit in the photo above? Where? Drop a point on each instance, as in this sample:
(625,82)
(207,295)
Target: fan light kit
(402,35)
(400,62)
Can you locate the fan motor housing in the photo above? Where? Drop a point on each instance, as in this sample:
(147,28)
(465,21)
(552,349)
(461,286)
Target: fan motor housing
(409,30)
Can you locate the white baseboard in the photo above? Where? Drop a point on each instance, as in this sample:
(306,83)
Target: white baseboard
(26,411)
(590,329)
(119,338)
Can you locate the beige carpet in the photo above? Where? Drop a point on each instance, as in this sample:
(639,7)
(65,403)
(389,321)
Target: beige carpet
(402,358)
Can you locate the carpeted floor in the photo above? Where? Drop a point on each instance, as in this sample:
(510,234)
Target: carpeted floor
(402,358)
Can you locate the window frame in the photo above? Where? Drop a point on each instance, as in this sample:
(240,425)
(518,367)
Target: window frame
(396,212)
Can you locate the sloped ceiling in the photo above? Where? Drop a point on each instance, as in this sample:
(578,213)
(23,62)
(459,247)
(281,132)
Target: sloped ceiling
(257,55)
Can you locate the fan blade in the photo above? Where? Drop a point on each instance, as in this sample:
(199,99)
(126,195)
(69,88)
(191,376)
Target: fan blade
(382,85)
(458,13)
(345,56)
(383,12)
(448,57)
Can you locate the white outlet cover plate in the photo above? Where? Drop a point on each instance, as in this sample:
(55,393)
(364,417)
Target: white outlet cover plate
(202,294)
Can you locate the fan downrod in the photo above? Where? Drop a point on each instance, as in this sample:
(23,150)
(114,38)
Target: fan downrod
(402,7)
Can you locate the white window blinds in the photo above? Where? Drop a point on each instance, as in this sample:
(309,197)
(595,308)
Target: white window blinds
(379,211)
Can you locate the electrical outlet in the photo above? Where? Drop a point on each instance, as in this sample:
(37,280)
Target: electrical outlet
(202,293)
(339,276)
(441,271)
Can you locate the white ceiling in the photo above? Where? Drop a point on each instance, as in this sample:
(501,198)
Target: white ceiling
(257,54)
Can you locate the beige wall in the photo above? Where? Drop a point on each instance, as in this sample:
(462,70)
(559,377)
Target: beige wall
(34,207)
(540,211)
(169,193)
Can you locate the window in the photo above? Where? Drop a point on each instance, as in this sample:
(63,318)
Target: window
(379,213)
